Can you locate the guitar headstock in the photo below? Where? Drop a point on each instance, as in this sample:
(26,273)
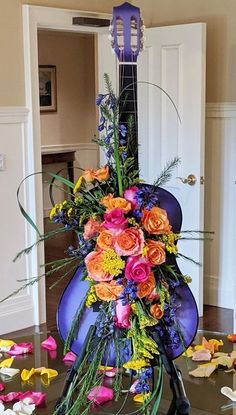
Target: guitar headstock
(126,32)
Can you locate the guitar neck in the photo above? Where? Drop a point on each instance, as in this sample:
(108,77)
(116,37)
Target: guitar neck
(128,105)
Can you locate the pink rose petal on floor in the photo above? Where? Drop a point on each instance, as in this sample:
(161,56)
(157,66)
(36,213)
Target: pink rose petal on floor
(100,395)
(49,344)
(2,387)
(38,398)
(203,355)
(52,354)
(69,357)
(20,348)
(110,373)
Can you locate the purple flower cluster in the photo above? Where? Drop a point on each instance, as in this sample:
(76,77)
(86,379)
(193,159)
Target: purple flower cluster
(143,385)
(147,197)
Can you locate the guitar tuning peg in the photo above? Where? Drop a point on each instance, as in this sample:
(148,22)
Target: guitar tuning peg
(143,27)
(111,28)
(111,38)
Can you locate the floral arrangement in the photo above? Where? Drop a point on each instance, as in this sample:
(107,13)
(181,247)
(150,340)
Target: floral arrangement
(124,242)
(124,239)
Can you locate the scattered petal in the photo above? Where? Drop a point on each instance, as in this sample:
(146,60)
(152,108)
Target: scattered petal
(220,354)
(5,345)
(110,371)
(20,348)
(224,361)
(69,357)
(203,371)
(8,372)
(188,352)
(24,407)
(7,362)
(2,387)
(232,338)
(46,374)
(49,344)
(141,397)
(225,390)
(37,398)
(100,395)
(203,355)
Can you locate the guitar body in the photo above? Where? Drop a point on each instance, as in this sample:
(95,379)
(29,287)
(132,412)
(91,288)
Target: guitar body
(186,313)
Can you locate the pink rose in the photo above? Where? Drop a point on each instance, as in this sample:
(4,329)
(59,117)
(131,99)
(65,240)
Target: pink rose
(129,242)
(137,269)
(115,220)
(122,315)
(100,394)
(91,228)
(130,195)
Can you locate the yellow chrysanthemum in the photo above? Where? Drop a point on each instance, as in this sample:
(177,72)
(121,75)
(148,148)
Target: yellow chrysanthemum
(145,251)
(136,364)
(92,297)
(112,263)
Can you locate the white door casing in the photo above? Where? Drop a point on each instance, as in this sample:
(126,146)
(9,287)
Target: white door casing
(174,59)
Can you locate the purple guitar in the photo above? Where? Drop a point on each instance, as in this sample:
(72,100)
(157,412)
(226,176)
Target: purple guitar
(127,31)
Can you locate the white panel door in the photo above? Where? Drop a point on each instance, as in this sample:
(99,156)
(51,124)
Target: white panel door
(174,59)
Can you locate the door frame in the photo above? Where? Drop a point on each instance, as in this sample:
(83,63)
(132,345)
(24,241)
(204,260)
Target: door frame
(48,18)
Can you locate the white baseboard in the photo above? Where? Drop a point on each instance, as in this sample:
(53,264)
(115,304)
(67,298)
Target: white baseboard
(16,314)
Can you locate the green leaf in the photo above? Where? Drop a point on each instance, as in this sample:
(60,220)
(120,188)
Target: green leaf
(62,180)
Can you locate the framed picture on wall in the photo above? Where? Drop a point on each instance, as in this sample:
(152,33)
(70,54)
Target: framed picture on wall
(47,88)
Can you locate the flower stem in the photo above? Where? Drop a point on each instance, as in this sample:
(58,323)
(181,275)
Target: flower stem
(117,161)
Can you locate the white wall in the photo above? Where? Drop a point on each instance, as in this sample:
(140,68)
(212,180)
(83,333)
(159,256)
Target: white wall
(220,204)
(75,119)
(18,312)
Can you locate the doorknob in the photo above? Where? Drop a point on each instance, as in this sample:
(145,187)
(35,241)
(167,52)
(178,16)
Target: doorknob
(191,179)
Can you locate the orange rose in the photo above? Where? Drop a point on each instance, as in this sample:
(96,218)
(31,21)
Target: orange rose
(156,311)
(146,288)
(156,221)
(91,228)
(156,252)
(112,202)
(94,264)
(102,174)
(89,175)
(108,291)
(129,242)
(104,240)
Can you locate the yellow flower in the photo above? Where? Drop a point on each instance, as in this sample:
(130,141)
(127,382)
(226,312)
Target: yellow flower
(80,182)
(91,297)
(188,352)
(145,251)
(136,364)
(141,397)
(112,263)
(7,362)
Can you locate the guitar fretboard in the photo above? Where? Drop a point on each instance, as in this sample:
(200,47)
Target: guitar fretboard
(128,104)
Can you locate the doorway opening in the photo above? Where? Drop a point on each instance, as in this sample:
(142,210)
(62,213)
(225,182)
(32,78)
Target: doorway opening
(66,135)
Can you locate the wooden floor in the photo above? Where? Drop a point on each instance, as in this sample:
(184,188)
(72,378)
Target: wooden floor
(215,318)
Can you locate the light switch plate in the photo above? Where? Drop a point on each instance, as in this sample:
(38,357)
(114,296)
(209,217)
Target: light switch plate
(2,162)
